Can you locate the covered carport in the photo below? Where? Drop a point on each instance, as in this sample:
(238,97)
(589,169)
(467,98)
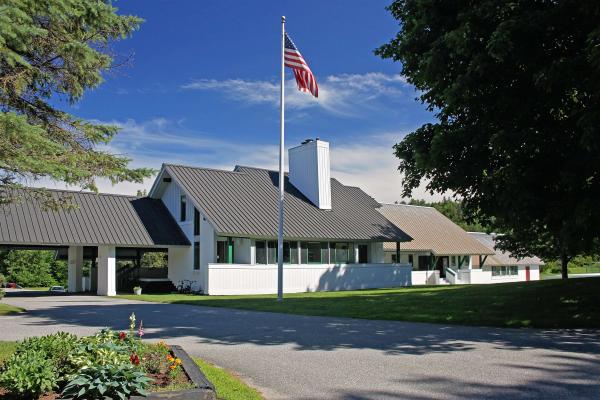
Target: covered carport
(93,226)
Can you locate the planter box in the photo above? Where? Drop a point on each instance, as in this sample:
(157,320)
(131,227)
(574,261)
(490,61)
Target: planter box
(204,389)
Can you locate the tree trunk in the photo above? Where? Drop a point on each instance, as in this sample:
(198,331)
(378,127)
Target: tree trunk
(565,266)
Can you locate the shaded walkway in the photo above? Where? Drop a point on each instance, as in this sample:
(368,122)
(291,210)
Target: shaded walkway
(290,356)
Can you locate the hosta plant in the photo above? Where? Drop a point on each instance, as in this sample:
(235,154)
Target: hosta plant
(107,381)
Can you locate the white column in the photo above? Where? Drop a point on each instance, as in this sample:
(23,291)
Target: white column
(75,268)
(107,282)
(356,253)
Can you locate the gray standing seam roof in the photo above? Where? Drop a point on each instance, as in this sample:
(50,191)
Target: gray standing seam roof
(244,202)
(99,219)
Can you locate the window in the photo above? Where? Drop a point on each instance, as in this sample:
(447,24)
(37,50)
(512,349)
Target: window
(394,258)
(505,270)
(410,259)
(266,252)
(196,222)
(196,255)
(363,253)
(312,252)
(261,252)
(272,252)
(182,207)
(341,253)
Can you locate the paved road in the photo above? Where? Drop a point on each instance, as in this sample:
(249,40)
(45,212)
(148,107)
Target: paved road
(297,357)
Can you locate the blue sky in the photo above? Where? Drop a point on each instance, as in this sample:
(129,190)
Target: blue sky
(200,87)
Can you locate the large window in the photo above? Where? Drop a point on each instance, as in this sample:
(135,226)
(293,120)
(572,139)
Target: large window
(342,253)
(196,222)
(505,270)
(266,252)
(182,208)
(313,252)
(196,255)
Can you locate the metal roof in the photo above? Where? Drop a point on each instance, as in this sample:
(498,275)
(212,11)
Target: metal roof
(500,257)
(431,231)
(244,202)
(98,219)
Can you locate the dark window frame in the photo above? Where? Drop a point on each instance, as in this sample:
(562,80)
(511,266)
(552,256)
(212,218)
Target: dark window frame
(196,222)
(182,208)
(196,256)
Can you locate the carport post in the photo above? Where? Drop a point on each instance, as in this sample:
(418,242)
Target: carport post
(75,268)
(107,280)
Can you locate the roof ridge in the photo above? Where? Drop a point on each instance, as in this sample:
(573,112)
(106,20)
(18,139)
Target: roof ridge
(203,168)
(407,205)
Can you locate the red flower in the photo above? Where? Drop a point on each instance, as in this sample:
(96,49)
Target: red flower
(135,360)
(122,336)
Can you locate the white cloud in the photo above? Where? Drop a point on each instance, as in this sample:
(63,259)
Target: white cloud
(343,94)
(368,163)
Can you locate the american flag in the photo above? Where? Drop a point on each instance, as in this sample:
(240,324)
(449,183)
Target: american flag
(304,77)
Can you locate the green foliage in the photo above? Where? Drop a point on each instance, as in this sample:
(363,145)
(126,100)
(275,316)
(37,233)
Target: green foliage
(107,381)
(2,279)
(454,211)
(56,49)
(2,293)
(29,374)
(33,268)
(516,91)
(154,259)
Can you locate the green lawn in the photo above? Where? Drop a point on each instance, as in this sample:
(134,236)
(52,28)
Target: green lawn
(227,385)
(6,309)
(541,304)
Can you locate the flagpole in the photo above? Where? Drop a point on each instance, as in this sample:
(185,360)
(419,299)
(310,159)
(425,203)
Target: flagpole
(281,167)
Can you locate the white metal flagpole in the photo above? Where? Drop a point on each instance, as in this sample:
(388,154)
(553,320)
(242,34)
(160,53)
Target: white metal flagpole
(281,167)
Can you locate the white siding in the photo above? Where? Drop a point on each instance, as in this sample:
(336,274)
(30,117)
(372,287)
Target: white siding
(234,279)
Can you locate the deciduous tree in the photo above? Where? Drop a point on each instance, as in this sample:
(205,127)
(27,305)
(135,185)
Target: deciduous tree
(515,86)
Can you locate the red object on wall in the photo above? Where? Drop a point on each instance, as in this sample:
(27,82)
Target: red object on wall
(527,275)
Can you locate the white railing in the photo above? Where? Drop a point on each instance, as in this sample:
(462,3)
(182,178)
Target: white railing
(262,279)
(451,276)
(425,277)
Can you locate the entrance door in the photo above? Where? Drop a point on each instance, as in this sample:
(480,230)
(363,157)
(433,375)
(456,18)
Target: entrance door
(363,253)
(441,265)
(527,274)
(221,252)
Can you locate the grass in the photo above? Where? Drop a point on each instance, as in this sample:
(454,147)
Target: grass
(6,309)
(227,385)
(6,349)
(574,303)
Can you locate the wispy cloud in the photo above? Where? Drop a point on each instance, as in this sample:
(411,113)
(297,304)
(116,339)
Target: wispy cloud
(367,162)
(338,94)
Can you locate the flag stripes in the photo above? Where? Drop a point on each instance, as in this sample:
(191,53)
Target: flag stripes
(304,77)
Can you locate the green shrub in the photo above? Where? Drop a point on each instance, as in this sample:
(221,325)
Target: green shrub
(29,374)
(57,348)
(2,293)
(2,280)
(29,267)
(107,381)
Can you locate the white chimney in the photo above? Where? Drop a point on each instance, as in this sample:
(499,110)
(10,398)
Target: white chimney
(309,171)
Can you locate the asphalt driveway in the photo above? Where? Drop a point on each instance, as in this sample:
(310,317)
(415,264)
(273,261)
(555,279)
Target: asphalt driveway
(299,357)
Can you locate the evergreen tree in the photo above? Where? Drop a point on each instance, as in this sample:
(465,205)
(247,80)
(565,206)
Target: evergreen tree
(52,50)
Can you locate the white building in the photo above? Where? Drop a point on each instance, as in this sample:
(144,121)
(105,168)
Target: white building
(333,234)
(502,266)
(441,252)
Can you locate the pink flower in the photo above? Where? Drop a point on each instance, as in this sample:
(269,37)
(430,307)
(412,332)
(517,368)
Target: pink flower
(141,330)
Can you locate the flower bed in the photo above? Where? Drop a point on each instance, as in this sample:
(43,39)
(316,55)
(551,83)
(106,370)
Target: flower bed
(113,365)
